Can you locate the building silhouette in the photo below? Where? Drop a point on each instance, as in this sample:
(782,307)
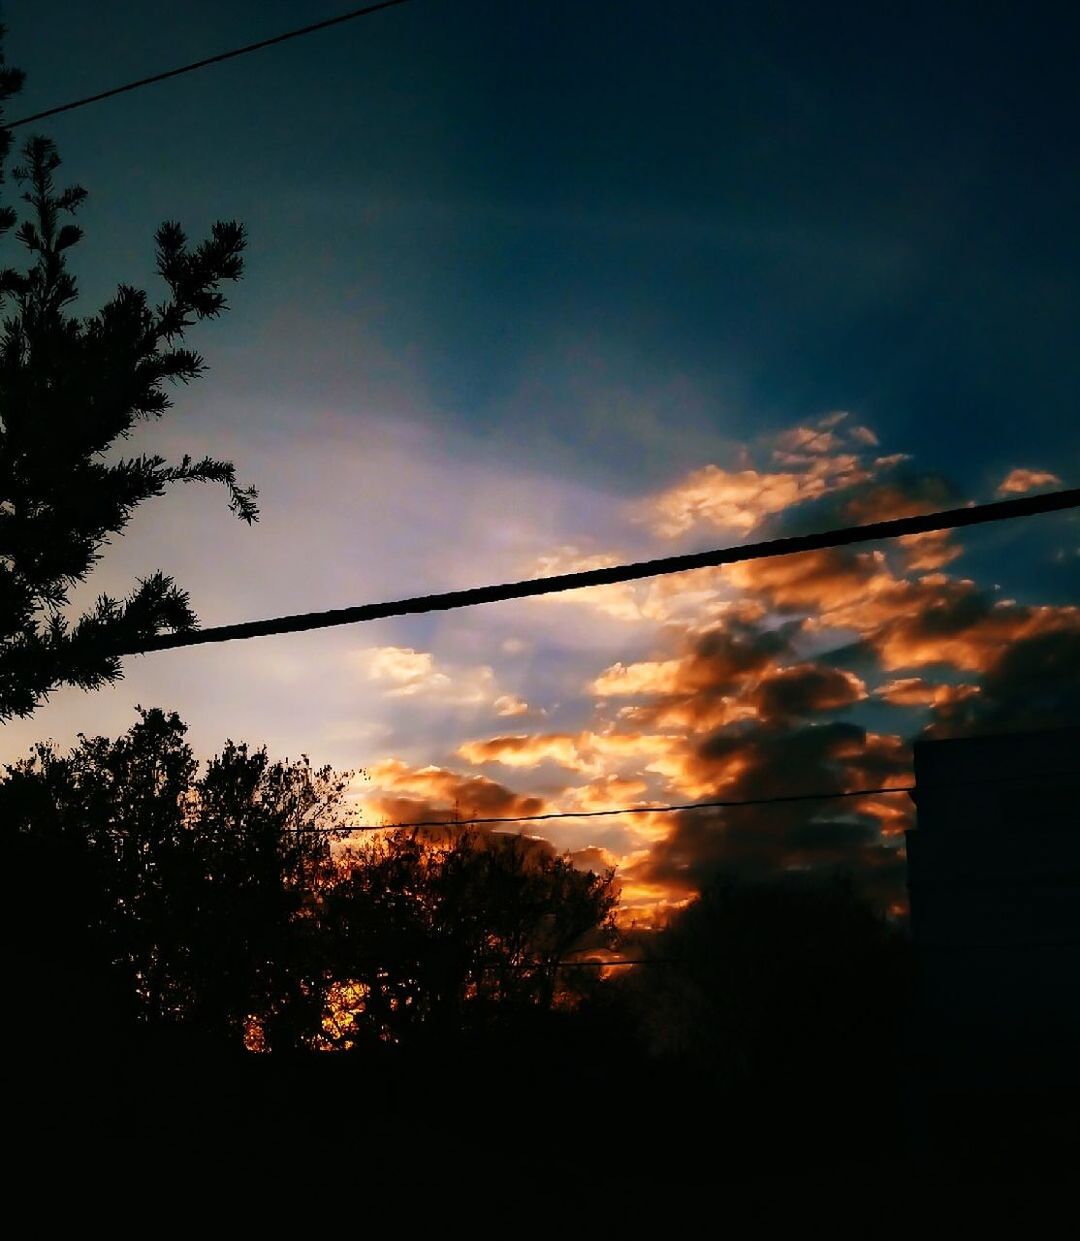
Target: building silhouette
(994,882)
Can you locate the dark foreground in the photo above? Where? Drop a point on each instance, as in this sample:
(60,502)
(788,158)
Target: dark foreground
(556,1105)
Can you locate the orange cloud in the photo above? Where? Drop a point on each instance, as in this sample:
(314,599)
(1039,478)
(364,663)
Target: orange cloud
(741,499)
(908,497)
(931,550)
(402,793)
(586,751)
(767,762)
(606,793)
(952,622)
(647,677)
(732,703)
(907,623)
(915,692)
(813,581)
(1019,480)
(804,690)
(508,704)
(594,858)
(814,461)
(524,750)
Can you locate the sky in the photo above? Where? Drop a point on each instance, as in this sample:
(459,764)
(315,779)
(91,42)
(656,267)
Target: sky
(538,286)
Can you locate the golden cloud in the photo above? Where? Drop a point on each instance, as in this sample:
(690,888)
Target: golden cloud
(524,750)
(915,692)
(818,581)
(646,677)
(741,499)
(509,705)
(607,792)
(403,793)
(586,751)
(734,702)
(1020,480)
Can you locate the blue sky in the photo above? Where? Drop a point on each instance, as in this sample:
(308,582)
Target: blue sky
(703,220)
(517,270)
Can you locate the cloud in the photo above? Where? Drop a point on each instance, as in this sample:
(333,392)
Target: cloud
(933,549)
(524,750)
(656,600)
(507,704)
(813,582)
(863,435)
(1030,683)
(593,858)
(1020,480)
(586,751)
(725,676)
(806,690)
(779,474)
(915,692)
(406,670)
(734,698)
(401,792)
(898,497)
(950,622)
(408,673)
(764,839)
(905,622)
(646,677)
(606,793)
(740,500)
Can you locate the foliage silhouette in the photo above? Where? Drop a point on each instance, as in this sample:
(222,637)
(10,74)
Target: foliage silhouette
(214,906)
(70,389)
(188,895)
(441,935)
(161,918)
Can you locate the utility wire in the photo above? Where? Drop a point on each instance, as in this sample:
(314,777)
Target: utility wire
(724,804)
(597,814)
(202,64)
(951,519)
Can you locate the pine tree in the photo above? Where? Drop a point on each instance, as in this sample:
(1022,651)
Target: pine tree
(71,387)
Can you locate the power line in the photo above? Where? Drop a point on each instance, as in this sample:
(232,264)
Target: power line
(598,814)
(722,804)
(950,519)
(202,64)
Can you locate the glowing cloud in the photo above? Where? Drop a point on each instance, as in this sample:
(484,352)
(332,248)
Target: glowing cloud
(1020,480)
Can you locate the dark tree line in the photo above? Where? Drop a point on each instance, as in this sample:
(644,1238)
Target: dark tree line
(223,904)
(165,921)
(234,903)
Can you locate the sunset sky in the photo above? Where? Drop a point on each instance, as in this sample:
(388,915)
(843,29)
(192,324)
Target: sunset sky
(549,285)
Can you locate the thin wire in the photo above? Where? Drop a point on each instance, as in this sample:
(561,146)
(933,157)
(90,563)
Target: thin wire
(201,64)
(597,814)
(725,804)
(950,519)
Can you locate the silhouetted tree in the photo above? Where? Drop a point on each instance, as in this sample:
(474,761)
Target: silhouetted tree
(186,899)
(432,938)
(70,388)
